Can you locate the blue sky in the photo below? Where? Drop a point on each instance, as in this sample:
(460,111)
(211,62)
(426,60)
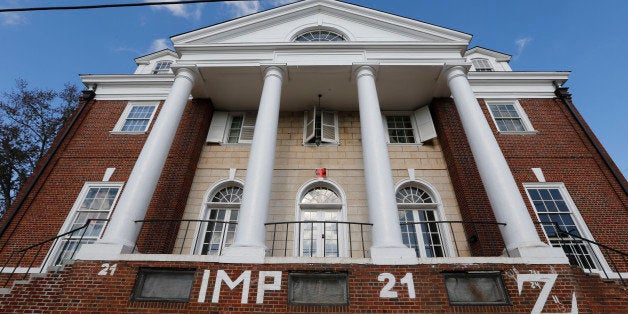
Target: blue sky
(590,39)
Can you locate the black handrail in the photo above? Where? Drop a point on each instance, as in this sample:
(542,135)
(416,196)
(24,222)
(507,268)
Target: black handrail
(453,234)
(180,248)
(579,256)
(279,247)
(22,252)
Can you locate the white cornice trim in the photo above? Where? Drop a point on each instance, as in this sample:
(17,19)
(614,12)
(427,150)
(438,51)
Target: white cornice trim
(515,85)
(337,6)
(129,86)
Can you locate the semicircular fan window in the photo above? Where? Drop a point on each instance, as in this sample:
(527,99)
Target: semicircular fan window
(318,36)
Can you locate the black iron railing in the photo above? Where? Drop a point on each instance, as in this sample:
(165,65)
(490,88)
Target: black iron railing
(585,253)
(438,236)
(71,241)
(195,236)
(319,238)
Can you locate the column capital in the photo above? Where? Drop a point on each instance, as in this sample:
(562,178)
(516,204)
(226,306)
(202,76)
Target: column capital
(188,73)
(360,70)
(276,70)
(455,71)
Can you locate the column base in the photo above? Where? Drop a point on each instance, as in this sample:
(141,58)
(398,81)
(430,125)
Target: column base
(102,251)
(554,255)
(243,254)
(393,256)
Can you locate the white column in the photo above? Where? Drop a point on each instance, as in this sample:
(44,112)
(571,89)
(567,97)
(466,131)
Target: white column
(388,247)
(519,234)
(138,191)
(249,243)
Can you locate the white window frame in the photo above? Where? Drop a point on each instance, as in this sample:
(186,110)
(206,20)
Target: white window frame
(307,122)
(476,61)
(162,71)
(584,231)
(444,229)
(527,125)
(342,228)
(71,217)
(422,125)
(199,232)
(125,114)
(221,125)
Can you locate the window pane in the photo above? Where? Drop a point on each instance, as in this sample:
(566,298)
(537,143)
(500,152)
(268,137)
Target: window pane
(400,129)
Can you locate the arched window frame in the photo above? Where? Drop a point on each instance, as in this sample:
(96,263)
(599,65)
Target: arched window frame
(197,246)
(336,29)
(436,206)
(342,207)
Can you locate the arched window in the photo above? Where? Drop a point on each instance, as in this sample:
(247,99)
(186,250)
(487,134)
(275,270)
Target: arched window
(320,207)
(418,213)
(319,35)
(220,219)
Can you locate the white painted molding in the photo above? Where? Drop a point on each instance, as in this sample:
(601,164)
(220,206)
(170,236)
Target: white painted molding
(539,174)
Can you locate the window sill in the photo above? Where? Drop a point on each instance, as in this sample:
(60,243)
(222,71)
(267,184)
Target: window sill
(128,133)
(518,132)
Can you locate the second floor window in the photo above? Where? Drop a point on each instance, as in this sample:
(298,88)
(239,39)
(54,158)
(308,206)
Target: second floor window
(509,117)
(136,118)
(162,67)
(232,128)
(320,127)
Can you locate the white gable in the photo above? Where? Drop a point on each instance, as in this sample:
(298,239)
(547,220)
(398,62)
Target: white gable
(358,24)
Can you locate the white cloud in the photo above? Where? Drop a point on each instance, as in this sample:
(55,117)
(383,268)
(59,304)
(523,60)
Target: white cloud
(158,44)
(179,10)
(281,2)
(240,8)
(521,44)
(13,18)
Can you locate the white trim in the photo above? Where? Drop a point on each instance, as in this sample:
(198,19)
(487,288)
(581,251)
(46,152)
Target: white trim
(108,173)
(117,129)
(529,129)
(52,252)
(577,218)
(538,172)
(342,230)
(446,231)
(203,211)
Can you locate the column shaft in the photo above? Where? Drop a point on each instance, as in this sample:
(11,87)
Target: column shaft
(500,185)
(379,183)
(140,187)
(259,172)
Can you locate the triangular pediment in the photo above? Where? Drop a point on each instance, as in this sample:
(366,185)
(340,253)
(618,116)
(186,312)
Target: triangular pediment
(356,23)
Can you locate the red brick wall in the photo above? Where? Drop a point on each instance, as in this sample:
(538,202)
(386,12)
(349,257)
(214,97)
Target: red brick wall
(84,156)
(78,288)
(560,149)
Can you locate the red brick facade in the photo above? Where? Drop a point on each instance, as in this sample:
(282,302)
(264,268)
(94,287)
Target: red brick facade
(560,148)
(78,288)
(87,152)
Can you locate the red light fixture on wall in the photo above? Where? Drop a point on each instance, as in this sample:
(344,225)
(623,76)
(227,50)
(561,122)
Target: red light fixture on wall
(321,173)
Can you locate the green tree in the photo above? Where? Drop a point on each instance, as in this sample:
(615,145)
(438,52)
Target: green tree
(30,119)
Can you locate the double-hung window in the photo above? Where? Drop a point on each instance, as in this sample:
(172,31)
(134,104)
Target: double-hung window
(557,212)
(220,220)
(409,127)
(232,128)
(509,117)
(87,220)
(136,118)
(420,228)
(320,127)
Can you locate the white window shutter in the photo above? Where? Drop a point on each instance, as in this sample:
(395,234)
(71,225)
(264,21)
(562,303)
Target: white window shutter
(310,125)
(217,127)
(424,124)
(329,126)
(248,127)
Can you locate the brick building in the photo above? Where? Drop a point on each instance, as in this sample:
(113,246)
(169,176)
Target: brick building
(321,156)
